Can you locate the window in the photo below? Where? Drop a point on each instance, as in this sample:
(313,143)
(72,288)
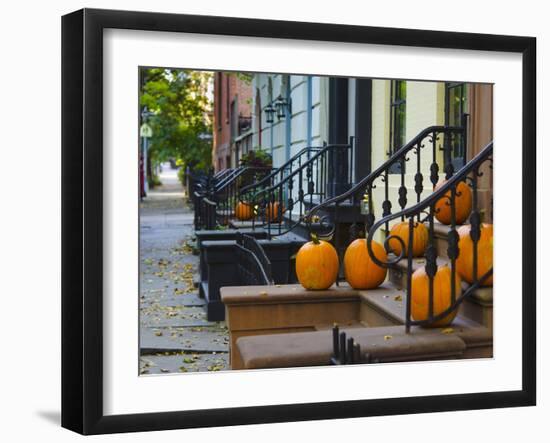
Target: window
(455,109)
(398,110)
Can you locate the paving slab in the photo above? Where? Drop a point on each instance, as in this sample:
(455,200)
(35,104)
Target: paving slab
(202,339)
(173,323)
(183,363)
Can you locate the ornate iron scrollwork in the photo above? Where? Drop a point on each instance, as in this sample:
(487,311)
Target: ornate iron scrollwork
(386,208)
(418,183)
(434,173)
(452,239)
(402,196)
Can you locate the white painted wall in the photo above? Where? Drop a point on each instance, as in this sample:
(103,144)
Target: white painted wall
(425,107)
(298,127)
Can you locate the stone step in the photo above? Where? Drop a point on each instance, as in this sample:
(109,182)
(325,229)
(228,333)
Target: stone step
(384,344)
(391,303)
(282,309)
(477,307)
(397,275)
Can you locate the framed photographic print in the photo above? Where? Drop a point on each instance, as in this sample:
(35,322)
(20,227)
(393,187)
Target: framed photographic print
(270,221)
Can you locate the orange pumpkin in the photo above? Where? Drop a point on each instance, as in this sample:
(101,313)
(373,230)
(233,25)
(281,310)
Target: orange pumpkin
(359,269)
(463,204)
(420,295)
(244,211)
(317,264)
(401,230)
(272,212)
(464,262)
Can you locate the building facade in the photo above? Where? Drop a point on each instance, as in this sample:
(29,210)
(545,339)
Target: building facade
(231,120)
(286,113)
(299,117)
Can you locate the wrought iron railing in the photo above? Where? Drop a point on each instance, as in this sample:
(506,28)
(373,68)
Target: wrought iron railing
(214,196)
(280,207)
(252,263)
(277,174)
(226,192)
(438,138)
(425,212)
(223,173)
(345,351)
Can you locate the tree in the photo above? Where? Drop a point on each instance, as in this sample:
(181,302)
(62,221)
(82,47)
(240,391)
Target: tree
(181,105)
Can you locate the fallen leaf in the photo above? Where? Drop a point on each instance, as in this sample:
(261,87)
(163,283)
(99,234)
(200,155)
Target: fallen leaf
(388,337)
(447,331)
(398,298)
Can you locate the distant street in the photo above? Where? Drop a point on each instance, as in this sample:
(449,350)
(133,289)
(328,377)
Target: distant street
(174,333)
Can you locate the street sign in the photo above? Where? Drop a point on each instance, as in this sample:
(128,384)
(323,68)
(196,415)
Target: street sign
(145,131)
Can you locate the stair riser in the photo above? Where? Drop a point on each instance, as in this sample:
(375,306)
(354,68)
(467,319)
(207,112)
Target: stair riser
(478,313)
(441,246)
(398,278)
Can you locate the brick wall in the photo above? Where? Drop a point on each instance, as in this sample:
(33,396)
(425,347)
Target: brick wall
(232,97)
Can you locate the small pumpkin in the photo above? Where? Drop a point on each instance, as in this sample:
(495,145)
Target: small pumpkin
(463,204)
(272,212)
(244,211)
(317,264)
(401,230)
(464,262)
(359,269)
(420,295)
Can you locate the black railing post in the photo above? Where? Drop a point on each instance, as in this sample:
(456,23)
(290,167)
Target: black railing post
(335,342)
(338,171)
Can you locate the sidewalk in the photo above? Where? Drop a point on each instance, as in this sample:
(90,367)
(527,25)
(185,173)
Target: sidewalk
(174,333)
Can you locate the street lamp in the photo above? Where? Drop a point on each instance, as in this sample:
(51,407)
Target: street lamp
(281,105)
(269,111)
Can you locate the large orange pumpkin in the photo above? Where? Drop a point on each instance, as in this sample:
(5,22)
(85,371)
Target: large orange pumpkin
(317,264)
(463,204)
(401,230)
(244,211)
(420,295)
(272,212)
(465,260)
(359,269)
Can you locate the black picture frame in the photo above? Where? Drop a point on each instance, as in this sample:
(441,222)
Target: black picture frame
(82,215)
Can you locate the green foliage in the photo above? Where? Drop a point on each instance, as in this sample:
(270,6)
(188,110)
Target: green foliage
(181,103)
(181,175)
(257,159)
